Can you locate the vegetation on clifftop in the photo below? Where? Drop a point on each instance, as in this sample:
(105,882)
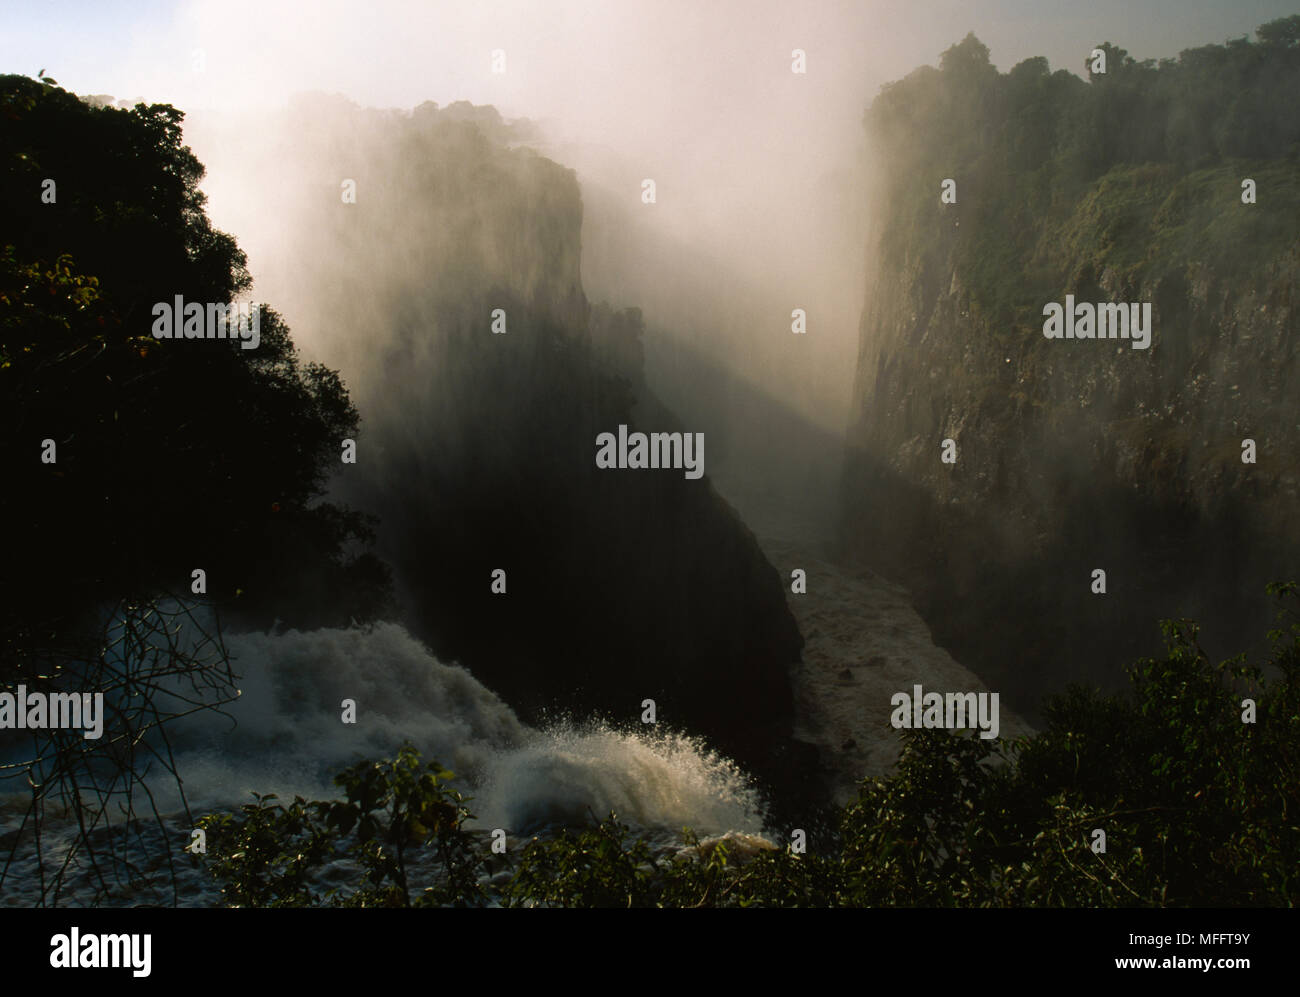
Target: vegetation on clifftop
(1138,170)
(1198,809)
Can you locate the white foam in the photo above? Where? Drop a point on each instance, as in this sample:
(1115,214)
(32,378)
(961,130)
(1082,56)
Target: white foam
(289,739)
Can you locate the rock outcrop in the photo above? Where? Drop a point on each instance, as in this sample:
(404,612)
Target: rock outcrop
(1075,455)
(478,446)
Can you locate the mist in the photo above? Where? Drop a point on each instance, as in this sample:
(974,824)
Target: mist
(763,195)
(646,396)
(756,209)
(760,171)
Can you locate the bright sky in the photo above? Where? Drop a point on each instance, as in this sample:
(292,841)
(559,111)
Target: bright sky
(564,57)
(697,95)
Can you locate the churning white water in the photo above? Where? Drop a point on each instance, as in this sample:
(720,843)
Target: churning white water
(288,737)
(285,735)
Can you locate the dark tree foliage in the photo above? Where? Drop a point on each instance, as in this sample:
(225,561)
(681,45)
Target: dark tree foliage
(1199,808)
(1192,111)
(171,454)
(272,854)
(1031,145)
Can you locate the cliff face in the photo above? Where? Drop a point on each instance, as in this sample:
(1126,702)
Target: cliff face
(478,448)
(1074,455)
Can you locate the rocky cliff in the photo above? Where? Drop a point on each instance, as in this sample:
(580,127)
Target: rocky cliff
(1079,454)
(449,295)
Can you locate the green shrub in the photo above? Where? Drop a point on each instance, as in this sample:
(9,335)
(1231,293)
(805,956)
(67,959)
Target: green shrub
(1198,809)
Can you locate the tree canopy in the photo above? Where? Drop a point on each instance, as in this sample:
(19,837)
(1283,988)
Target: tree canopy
(169,455)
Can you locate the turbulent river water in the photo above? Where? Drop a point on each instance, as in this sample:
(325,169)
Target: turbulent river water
(863,640)
(284,734)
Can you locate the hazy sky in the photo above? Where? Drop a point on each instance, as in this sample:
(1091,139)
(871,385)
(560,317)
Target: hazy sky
(659,72)
(563,56)
(685,92)
(752,161)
